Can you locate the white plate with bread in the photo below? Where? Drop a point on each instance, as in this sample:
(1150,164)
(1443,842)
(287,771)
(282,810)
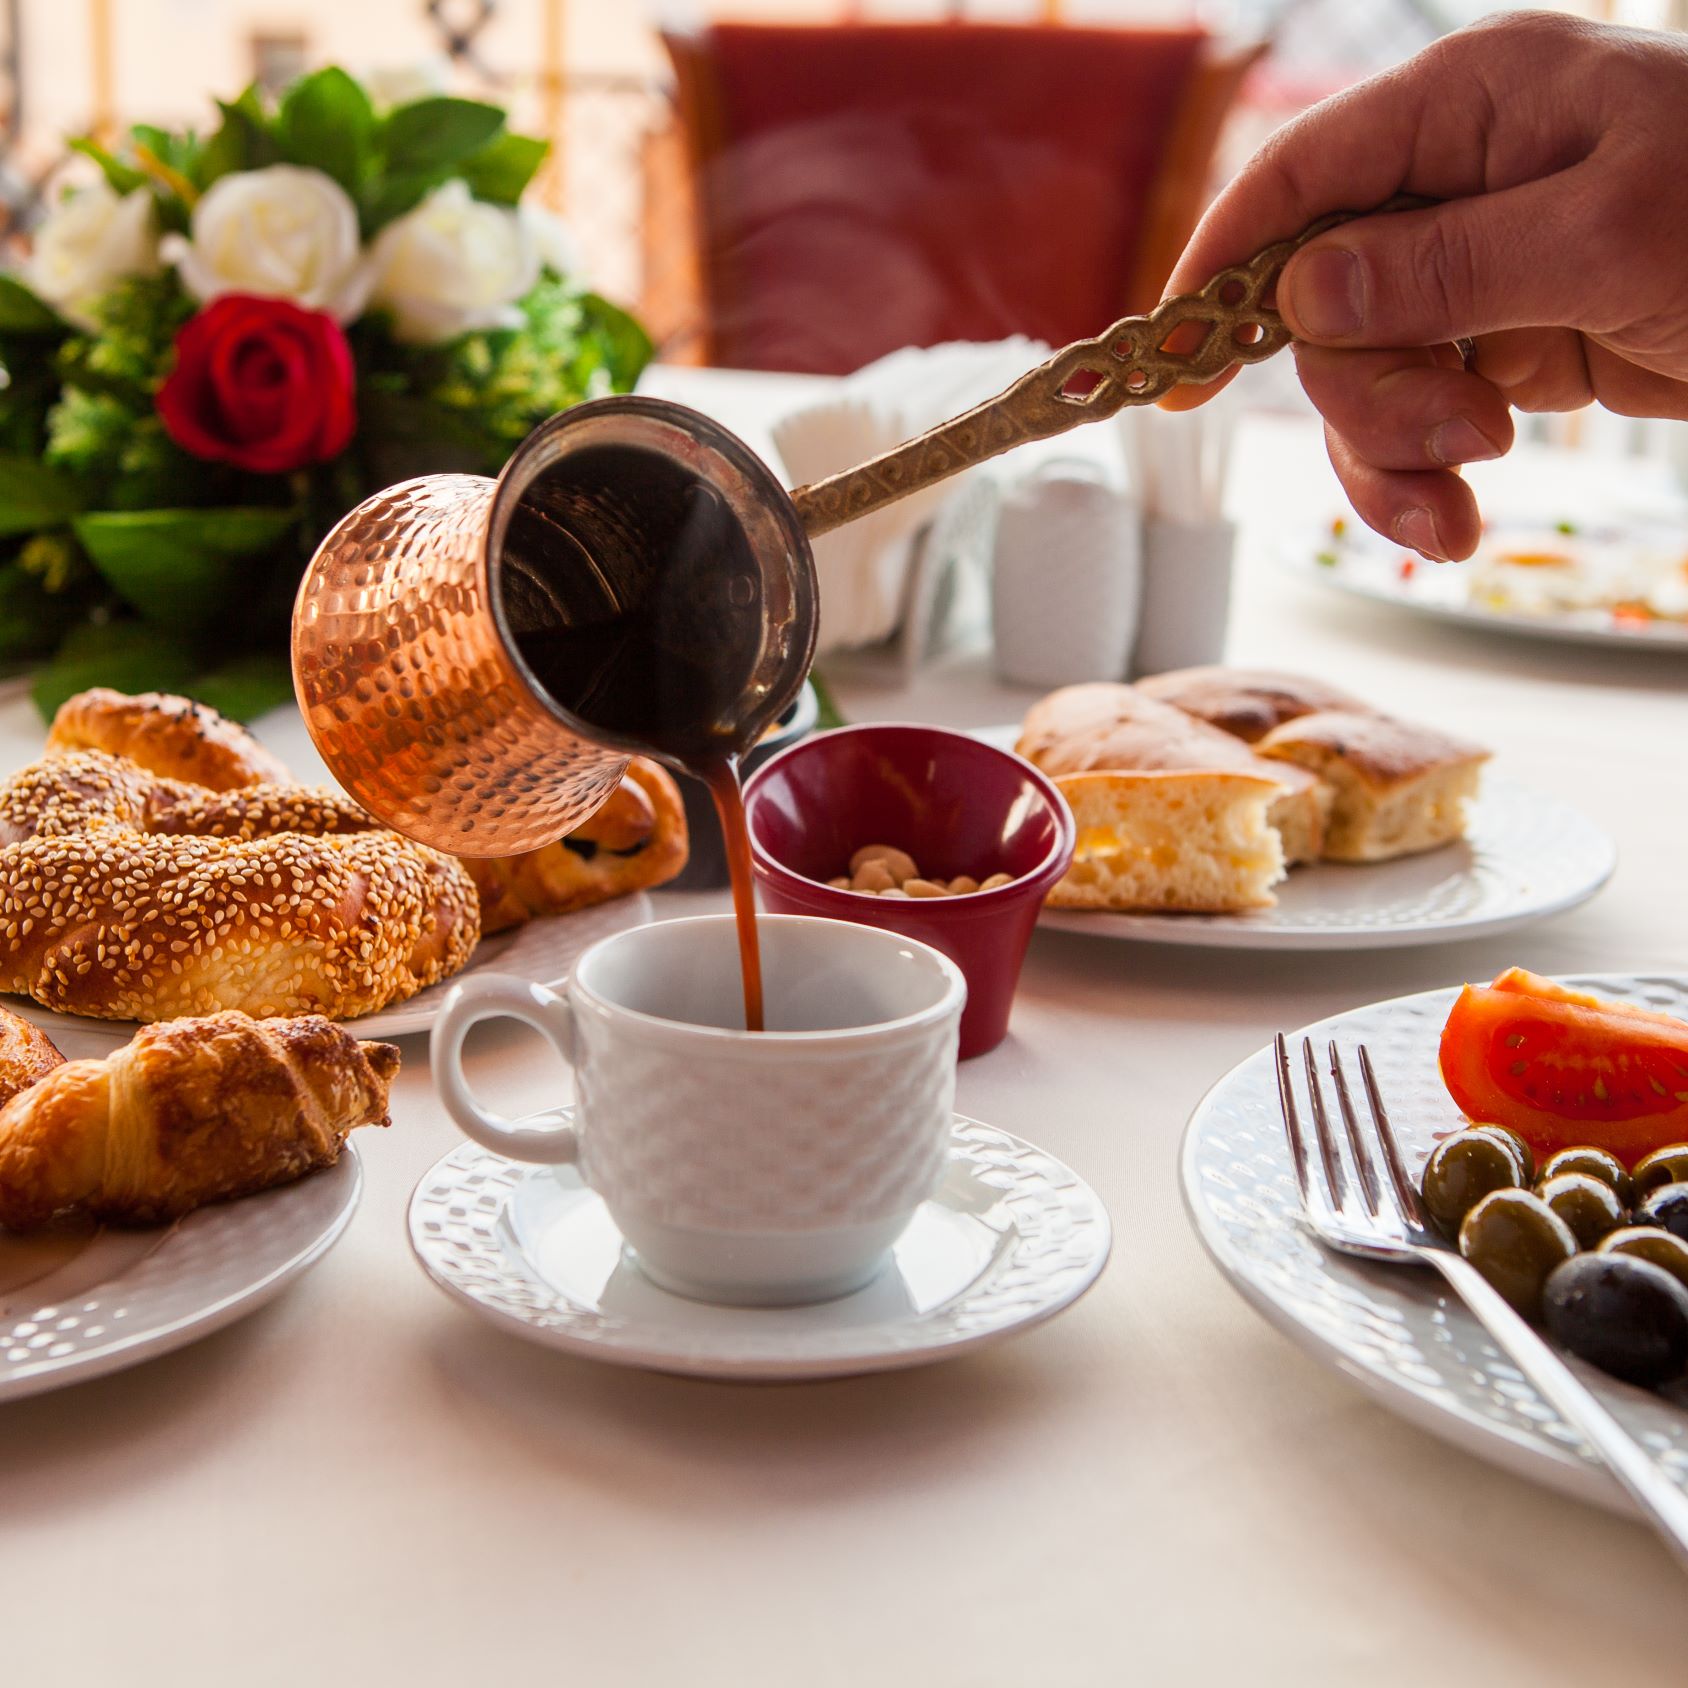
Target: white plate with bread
(1246,809)
(154,1193)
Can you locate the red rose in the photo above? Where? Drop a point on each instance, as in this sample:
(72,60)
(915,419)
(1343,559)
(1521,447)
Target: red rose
(262,384)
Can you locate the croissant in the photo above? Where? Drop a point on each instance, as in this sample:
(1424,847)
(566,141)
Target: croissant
(188,1112)
(26,1054)
(635,840)
(168,735)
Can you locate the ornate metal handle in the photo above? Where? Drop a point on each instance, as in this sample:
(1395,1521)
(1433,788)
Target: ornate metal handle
(1084,382)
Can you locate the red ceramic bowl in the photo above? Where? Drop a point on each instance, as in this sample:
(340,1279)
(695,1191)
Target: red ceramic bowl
(956,805)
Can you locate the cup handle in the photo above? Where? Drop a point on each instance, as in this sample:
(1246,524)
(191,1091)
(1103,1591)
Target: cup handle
(550,1139)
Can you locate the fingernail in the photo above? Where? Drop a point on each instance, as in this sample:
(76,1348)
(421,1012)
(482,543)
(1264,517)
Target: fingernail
(1326,293)
(1461,441)
(1417,528)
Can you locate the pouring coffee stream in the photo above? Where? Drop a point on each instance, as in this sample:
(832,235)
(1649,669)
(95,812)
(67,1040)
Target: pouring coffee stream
(476,660)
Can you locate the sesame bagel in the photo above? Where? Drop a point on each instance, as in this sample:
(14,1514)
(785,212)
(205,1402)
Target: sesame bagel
(128,895)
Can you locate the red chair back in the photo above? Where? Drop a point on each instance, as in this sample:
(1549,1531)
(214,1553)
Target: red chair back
(866,187)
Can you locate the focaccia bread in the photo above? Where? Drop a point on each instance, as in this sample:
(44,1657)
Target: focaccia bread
(1189,840)
(1247,703)
(1106,727)
(1399,789)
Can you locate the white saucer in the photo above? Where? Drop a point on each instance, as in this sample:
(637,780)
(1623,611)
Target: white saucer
(544,950)
(1010,1239)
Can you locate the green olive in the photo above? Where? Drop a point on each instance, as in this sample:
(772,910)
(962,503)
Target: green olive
(1464,1168)
(1520,1149)
(1591,1208)
(1668,1165)
(1595,1163)
(1515,1239)
(1660,1248)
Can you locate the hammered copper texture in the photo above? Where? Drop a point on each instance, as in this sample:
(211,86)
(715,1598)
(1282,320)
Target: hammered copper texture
(1128,364)
(408,691)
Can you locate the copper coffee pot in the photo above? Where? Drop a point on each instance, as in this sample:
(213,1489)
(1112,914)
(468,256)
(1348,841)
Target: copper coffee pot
(405,648)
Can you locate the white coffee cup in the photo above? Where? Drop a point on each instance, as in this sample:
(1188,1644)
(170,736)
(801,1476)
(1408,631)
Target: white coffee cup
(759,1168)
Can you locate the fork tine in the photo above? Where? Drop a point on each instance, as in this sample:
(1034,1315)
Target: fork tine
(1328,1151)
(1404,1191)
(1292,1120)
(1364,1160)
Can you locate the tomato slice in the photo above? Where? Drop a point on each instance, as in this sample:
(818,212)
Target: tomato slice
(1563,1068)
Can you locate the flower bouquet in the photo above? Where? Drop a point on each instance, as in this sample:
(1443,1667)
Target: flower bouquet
(221,343)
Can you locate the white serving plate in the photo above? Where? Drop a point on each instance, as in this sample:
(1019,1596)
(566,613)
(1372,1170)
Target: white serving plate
(544,950)
(76,1303)
(1441,592)
(1396,1330)
(1011,1238)
(1528,855)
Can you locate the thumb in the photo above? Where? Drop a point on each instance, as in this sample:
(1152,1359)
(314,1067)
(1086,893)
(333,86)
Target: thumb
(1420,278)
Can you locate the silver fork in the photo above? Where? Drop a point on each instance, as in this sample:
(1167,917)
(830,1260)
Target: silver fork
(1375,1212)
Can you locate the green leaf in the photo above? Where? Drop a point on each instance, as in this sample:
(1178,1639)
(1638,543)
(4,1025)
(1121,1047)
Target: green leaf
(241,142)
(438,132)
(22,313)
(34,496)
(182,567)
(246,688)
(31,618)
(327,122)
(128,655)
(621,343)
(501,170)
(396,194)
(123,178)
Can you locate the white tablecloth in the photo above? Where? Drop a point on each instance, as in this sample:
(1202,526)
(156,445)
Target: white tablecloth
(363,1484)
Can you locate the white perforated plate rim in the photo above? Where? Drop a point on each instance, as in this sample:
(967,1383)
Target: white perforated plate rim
(1393,1329)
(1528,855)
(126,1296)
(544,950)
(1047,1232)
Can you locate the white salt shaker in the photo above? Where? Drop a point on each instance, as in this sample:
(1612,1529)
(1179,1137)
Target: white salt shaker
(1065,577)
(1186,600)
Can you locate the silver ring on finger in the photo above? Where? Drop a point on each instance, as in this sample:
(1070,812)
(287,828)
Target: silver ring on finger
(1467,350)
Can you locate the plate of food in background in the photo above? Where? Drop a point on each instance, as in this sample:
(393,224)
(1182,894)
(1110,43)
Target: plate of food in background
(1571,1198)
(1568,582)
(1248,809)
(158,862)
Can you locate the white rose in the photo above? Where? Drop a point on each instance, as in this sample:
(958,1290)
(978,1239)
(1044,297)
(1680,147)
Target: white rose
(92,240)
(554,239)
(283,233)
(452,265)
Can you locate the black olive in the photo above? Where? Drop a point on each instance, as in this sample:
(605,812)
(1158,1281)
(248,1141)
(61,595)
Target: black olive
(1668,1165)
(1667,1207)
(1588,1206)
(1515,1239)
(1623,1314)
(1464,1168)
(1596,1163)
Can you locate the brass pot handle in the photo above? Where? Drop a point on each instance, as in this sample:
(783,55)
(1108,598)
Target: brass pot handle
(1084,382)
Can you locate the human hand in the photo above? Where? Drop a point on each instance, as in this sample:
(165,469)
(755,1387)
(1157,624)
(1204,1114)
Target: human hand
(1560,150)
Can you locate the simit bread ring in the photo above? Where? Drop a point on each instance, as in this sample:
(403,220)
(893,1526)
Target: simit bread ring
(173,736)
(126,895)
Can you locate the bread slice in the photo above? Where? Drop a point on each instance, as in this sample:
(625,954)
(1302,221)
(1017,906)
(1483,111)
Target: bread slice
(1399,789)
(1195,840)
(1247,703)
(1104,726)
